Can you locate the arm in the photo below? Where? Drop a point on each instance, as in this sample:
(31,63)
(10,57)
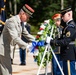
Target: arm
(11,27)
(68,37)
(28,36)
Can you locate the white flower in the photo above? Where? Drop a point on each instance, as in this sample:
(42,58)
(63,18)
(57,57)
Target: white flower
(46,21)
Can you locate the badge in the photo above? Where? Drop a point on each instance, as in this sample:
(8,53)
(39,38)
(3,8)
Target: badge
(68,34)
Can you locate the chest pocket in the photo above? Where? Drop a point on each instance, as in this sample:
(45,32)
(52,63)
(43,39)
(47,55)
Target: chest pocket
(19,29)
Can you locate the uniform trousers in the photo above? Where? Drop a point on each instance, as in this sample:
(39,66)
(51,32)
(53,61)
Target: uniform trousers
(72,67)
(56,70)
(5,65)
(22,56)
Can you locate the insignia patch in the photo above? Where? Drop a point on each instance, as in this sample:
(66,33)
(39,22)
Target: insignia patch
(68,34)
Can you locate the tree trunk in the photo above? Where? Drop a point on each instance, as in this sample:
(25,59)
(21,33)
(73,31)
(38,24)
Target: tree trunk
(15,7)
(10,7)
(62,4)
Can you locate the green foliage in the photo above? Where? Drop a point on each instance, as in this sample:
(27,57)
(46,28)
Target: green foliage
(44,9)
(18,1)
(34,29)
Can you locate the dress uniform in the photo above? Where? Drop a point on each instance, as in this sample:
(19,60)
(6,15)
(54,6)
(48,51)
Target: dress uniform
(56,71)
(67,42)
(12,31)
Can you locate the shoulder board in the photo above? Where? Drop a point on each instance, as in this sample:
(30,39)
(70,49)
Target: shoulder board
(71,25)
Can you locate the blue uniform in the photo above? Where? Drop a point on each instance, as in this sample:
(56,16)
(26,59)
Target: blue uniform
(23,52)
(68,48)
(55,68)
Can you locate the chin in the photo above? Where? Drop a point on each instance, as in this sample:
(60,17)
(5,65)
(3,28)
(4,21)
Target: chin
(24,21)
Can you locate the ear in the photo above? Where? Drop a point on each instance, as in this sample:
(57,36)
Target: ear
(68,13)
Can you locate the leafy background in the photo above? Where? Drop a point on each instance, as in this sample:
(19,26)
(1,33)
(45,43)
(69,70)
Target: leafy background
(44,9)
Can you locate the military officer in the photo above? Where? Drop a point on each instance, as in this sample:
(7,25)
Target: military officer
(67,42)
(12,33)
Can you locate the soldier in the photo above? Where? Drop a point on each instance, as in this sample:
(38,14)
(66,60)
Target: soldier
(12,32)
(57,20)
(67,42)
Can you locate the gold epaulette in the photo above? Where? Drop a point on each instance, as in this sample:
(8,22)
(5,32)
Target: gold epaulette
(3,23)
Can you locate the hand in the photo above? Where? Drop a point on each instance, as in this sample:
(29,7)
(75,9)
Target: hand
(53,42)
(29,47)
(48,39)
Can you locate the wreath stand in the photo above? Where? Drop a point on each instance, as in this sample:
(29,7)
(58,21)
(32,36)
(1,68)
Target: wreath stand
(47,48)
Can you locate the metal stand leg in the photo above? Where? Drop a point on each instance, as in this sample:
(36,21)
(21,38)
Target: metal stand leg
(54,57)
(46,68)
(42,60)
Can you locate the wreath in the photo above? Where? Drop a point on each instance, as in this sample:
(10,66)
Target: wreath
(44,31)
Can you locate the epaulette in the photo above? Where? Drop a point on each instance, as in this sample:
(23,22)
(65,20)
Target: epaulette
(71,25)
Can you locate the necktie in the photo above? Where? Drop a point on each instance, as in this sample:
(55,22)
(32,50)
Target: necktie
(22,24)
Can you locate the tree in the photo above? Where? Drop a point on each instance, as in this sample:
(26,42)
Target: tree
(44,9)
(74,8)
(9,7)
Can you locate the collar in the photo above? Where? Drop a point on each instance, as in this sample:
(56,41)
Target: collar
(18,18)
(69,21)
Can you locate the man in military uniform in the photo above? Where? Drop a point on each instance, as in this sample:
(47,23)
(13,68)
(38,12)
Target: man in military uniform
(11,35)
(57,19)
(67,42)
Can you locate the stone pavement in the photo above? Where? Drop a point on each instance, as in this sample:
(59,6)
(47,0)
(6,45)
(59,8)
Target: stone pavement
(30,68)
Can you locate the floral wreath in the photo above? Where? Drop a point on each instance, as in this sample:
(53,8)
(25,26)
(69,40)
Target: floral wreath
(41,36)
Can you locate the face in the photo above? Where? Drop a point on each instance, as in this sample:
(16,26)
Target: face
(57,21)
(24,17)
(65,17)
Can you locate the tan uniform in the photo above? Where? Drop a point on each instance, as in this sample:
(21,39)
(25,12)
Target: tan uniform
(12,31)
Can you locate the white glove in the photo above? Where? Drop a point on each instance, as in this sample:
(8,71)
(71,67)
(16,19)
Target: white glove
(29,47)
(48,39)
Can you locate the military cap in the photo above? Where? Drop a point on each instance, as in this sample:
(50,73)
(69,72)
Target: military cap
(26,8)
(55,16)
(65,10)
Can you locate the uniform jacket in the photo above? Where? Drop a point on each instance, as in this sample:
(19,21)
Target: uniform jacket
(59,30)
(67,42)
(11,33)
